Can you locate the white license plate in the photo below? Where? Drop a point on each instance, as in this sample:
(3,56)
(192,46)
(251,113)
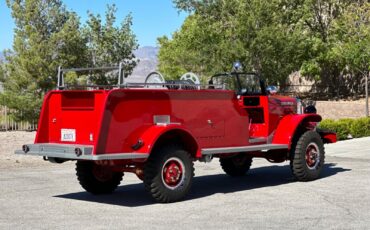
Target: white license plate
(68,135)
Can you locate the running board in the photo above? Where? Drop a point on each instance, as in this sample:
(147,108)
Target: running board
(251,148)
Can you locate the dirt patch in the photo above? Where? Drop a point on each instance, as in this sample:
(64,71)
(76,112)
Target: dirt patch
(11,141)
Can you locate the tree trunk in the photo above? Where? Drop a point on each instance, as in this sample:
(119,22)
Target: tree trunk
(367,94)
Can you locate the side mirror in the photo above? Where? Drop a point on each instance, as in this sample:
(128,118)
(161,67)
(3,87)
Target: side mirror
(272,90)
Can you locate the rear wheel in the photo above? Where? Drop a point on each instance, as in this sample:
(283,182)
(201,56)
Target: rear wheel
(237,165)
(168,174)
(97,179)
(308,156)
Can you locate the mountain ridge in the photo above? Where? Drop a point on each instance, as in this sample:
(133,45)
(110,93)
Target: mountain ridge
(148,62)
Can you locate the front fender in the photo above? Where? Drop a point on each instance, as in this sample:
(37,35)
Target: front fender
(327,136)
(289,124)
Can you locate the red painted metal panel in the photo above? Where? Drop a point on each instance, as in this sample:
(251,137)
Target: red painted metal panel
(288,125)
(328,136)
(212,117)
(73,110)
(150,134)
(42,134)
(113,121)
(264,117)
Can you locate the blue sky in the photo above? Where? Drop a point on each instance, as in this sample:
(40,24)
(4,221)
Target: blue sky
(151,18)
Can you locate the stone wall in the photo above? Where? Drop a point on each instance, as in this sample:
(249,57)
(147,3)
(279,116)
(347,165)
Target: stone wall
(341,109)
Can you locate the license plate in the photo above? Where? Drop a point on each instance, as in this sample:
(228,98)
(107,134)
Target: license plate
(68,135)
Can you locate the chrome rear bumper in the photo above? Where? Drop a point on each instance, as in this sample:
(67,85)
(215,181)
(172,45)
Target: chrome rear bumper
(74,152)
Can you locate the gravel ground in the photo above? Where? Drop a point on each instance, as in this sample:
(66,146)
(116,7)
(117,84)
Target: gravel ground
(11,141)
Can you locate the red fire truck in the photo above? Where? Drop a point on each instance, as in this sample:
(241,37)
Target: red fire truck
(157,129)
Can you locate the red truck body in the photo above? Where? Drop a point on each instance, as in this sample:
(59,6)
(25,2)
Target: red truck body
(127,130)
(116,119)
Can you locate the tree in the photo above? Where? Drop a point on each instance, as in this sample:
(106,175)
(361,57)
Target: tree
(46,35)
(202,45)
(274,44)
(353,43)
(2,71)
(219,32)
(194,48)
(108,44)
(273,38)
(317,21)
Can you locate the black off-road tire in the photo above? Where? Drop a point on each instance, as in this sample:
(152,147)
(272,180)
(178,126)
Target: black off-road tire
(236,166)
(303,167)
(86,175)
(154,174)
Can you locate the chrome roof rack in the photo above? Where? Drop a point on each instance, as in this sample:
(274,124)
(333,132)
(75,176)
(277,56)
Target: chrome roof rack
(61,85)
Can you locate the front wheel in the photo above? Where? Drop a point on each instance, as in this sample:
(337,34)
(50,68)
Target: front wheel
(168,174)
(307,156)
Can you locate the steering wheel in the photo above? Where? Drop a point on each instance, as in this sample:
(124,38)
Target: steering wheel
(154,77)
(190,77)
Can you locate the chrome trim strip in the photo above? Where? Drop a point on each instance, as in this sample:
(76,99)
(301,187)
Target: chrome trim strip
(68,152)
(161,119)
(257,140)
(211,151)
(120,156)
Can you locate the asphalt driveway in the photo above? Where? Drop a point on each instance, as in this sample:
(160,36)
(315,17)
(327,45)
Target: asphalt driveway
(49,197)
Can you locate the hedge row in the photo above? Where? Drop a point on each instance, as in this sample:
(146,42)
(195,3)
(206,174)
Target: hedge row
(347,128)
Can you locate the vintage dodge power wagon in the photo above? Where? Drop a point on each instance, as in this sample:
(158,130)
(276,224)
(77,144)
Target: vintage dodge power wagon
(157,129)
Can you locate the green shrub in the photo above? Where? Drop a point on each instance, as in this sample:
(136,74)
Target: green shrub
(341,127)
(327,124)
(361,127)
(345,127)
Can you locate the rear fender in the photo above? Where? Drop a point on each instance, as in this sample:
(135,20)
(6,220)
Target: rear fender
(290,125)
(157,135)
(42,134)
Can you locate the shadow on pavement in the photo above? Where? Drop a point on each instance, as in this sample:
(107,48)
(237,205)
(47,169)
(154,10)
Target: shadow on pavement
(134,195)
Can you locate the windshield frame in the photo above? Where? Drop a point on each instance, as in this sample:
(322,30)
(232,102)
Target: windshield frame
(237,75)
